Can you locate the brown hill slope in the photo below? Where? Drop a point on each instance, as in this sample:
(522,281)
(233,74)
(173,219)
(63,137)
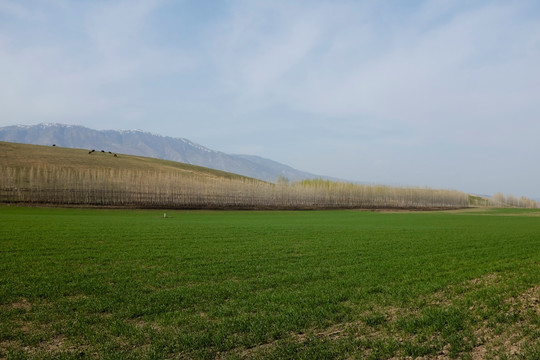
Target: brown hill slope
(142,143)
(27,156)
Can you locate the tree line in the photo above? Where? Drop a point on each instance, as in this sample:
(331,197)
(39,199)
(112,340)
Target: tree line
(52,184)
(502,200)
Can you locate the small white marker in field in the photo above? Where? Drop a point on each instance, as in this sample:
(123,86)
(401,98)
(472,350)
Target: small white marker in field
(164,215)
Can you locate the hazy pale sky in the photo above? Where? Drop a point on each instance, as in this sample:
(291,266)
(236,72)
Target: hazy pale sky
(438,93)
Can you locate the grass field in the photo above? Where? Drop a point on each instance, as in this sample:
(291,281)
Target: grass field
(131,284)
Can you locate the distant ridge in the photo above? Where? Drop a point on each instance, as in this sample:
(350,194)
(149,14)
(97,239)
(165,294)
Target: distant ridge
(137,142)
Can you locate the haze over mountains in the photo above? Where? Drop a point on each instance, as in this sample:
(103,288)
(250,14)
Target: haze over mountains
(135,142)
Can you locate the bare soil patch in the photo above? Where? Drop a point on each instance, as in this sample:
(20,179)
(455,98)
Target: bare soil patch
(511,340)
(22,304)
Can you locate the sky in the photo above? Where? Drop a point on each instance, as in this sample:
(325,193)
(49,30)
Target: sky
(444,94)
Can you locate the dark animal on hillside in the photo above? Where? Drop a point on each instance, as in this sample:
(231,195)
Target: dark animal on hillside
(103,151)
(90,152)
(115,155)
(110,152)
(53,144)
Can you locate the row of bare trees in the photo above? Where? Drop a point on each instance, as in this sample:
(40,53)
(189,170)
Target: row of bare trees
(169,189)
(502,200)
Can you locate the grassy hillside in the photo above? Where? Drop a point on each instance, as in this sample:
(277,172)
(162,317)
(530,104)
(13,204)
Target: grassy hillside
(27,156)
(53,175)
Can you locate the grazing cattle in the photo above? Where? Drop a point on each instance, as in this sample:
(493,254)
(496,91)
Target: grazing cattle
(102,151)
(110,152)
(53,144)
(90,152)
(115,155)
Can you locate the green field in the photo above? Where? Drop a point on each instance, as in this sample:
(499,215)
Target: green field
(130,284)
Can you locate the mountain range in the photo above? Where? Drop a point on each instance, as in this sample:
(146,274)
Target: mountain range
(136,142)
